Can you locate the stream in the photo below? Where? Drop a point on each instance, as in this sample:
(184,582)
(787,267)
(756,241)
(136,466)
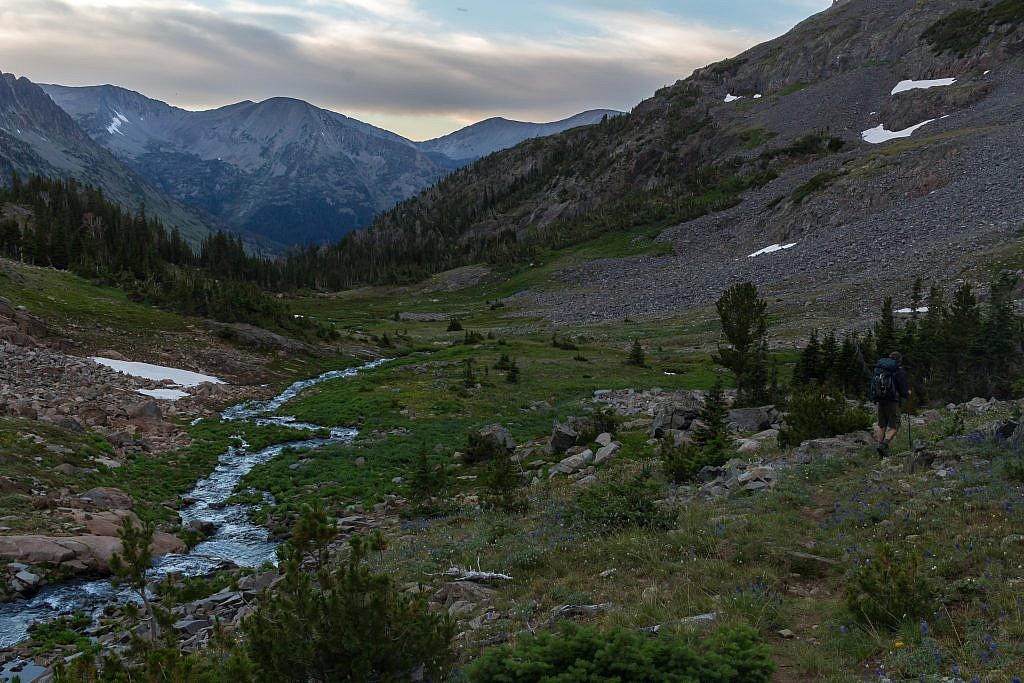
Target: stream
(236,539)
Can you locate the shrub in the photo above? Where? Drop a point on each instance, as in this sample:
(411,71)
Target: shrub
(817,412)
(502,484)
(454,325)
(682,463)
(348,624)
(621,505)
(585,653)
(889,589)
(1012,469)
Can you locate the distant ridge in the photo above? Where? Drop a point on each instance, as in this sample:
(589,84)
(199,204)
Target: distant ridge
(281,168)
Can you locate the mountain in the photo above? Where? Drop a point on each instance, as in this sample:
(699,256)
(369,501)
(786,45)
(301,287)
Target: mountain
(786,144)
(486,137)
(37,136)
(281,168)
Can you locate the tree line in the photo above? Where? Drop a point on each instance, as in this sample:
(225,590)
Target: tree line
(71,226)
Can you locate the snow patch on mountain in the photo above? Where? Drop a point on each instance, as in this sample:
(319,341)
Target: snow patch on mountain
(879,134)
(729,97)
(115,123)
(904,86)
(771,249)
(163,394)
(157,373)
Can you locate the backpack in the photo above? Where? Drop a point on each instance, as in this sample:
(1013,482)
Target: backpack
(883,381)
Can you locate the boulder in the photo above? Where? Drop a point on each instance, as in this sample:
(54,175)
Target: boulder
(563,437)
(149,410)
(838,446)
(747,420)
(573,464)
(106,498)
(497,438)
(676,415)
(603,439)
(606,453)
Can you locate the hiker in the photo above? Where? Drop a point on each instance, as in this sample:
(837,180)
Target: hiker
(888,389)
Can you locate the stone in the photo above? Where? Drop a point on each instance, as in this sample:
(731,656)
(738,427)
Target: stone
(73,471)
(787,634)
(847,445)
(607,452)
(28,578)
(603,439)
(191,626)
(587,480)
(497,438)
(146,410)
(106,498)
(748,445)
(752,419)
(360,461)
(202,526)
(677,415)
(572,464)
(563,437)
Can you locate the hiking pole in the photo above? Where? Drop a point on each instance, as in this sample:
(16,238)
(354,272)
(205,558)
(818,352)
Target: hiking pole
(910,435)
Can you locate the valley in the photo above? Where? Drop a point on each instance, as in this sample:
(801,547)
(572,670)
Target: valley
(286,396)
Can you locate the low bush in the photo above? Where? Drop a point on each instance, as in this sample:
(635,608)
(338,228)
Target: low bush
(682,463)
(585,653)
(889,589)
(819,412)
(612,505)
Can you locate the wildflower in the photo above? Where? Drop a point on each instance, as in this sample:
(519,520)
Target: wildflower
(899,643)
(924,629)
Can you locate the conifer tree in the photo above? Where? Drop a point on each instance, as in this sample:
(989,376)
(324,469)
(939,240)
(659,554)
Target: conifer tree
(636,354)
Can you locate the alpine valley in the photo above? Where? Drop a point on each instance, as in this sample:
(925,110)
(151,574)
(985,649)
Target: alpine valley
(285,396)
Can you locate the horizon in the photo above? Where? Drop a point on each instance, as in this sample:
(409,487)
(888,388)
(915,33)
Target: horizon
(419,68)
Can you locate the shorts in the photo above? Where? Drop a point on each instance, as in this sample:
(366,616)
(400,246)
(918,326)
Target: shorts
(889,414)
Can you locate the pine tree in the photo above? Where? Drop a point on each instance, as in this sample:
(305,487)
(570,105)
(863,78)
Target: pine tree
(743,315)
(808,366)
(712,434)
(636,354)
(512,376)
(885,329)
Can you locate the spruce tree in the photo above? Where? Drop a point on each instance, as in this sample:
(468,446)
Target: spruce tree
(512,376)
(712,434)
(636,354)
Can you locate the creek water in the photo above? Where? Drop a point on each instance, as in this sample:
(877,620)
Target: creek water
(236,539)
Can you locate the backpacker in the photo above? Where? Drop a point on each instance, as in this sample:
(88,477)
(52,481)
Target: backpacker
(883,381)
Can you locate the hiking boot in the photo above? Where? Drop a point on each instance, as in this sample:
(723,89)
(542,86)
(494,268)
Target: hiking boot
(883,449)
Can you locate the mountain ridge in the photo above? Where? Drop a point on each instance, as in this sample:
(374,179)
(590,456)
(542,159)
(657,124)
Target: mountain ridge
(282,167)
(39,137)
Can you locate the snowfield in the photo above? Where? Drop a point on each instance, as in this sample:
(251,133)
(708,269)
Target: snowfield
(908,311)
(904,86)
(163,394)
(879,134)
(772,249)
(733,98)
(157,373)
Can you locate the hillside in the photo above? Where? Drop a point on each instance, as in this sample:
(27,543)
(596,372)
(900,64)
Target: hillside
(37,136)
(492,135)
(761,149)
(281,168)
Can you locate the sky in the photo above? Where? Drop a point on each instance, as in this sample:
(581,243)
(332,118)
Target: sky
(421,68)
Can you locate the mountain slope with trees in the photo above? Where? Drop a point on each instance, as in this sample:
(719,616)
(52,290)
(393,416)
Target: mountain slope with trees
(785,163)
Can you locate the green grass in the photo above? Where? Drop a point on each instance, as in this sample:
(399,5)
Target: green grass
(78,305)
(963,30)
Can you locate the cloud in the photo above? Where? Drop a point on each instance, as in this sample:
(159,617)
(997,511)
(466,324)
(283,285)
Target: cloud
(370,56)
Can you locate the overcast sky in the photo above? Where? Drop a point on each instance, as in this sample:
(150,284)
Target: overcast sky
(421,68)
